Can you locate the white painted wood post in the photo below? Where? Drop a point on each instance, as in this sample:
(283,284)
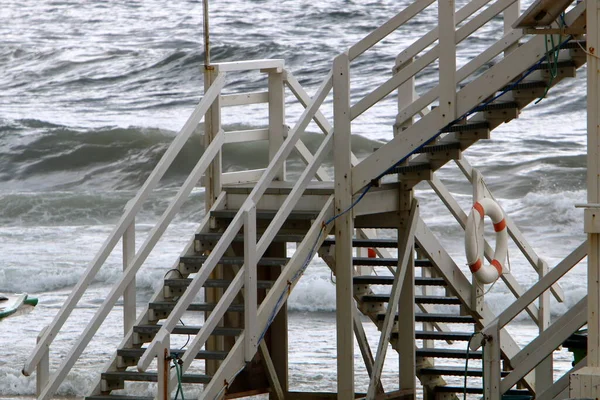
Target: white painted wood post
(212,126)
(43,367)
(477,288)
(277,126)
(163,369)
(591,372)
(491,365)
(544,371)
(129,294)
(406,95)
(250,297)
(343,227)
(447,60)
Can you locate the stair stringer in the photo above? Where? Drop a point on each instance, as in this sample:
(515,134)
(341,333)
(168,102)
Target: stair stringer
(468,98)
(144,318)
(447,268)
(234,363)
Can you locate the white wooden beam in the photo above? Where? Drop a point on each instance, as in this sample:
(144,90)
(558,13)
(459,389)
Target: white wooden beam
(250,135)
(249,65)
(344,225)
(236,177)
(242,99)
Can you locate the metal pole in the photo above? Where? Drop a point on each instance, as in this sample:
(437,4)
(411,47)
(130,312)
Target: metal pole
(206,35)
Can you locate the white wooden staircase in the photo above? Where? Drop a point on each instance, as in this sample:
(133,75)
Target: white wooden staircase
(239,255)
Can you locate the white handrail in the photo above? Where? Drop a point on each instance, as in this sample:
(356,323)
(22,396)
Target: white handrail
(237,222)
(124,222)
(117,291)
(261,248)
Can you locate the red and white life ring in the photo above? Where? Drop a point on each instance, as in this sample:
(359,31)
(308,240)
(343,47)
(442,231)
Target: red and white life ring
(474,241)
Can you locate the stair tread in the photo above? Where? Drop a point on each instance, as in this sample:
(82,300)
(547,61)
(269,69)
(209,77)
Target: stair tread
(267,214)
(387,243)
(411,167)
(418,299)
(469,126)
(281,237)
(263,261)
(525,85)
(498,106)
(152,376)
(433,148)
(448,353)
(187,330)
(201,355)
(220,283)
(169,305)
(560,64)
(437,335)
(472,390)
(393,262)
(456,371)
(389,279)
(431,317)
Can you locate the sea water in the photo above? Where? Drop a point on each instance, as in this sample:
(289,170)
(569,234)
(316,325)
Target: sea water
(92,93)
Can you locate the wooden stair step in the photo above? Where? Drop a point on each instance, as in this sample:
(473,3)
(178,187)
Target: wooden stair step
(560,64)
(440,147)
(383,243)
(187,330)
(169,305)
(525,86)
(384,298)
(449,353)
(437,335)
(469,126)
(454,371)
(386,262)
(429,317)
(268,214)
(498,106)
(213,237)
(389,280)
(212,283)
(264,261)
(472,390)
(201,355)
(150,377)
(410,168)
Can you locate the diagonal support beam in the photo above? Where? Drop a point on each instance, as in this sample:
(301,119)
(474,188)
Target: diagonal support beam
(365,349)
(386,330)
(271,373)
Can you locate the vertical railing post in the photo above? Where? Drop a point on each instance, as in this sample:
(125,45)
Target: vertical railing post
(250,297)
(163,367)
(276,116)
(447,60)
(544,370)
(477,288)
(491,365)
(406,95)
(129,294)
(343,227)
(43,368)
(583,383)
(511,14)
(212,126)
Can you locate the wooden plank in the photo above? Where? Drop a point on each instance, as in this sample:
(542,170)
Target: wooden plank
(249,65)
(344,227)
(236,177)
(250,135)
(242,99)
(277,390)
